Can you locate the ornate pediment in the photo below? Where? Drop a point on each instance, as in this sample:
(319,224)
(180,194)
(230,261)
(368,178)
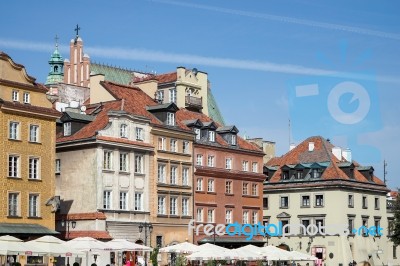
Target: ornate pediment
(283,215)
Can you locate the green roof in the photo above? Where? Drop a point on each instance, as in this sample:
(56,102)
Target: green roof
(31,229)
(113,74)
(213,110)
(79,116)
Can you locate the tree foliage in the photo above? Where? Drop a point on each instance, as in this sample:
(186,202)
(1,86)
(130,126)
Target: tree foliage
(395,236)
(154,256)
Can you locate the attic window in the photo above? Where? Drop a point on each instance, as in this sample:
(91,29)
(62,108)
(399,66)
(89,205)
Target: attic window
(123,131)
(171,119)
(299,174)
(316,173)
(285,175)
(211,136)
(197,131)
(67,129)
(233,139)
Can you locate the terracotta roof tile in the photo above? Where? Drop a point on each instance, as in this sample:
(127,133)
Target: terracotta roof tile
(100,235)
(127,141)
(322,153)
(166,78)
(81,216)
(30,108)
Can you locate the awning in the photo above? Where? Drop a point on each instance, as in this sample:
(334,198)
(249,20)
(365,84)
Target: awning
(25,229)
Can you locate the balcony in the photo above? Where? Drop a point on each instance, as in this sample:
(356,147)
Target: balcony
(193,102)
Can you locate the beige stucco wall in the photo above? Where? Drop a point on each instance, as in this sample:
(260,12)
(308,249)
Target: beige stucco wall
(97,92)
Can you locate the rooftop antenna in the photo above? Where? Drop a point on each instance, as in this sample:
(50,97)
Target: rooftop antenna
(384,171)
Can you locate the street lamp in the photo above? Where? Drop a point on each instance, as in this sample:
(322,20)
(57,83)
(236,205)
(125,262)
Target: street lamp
(147,227)
(67,222)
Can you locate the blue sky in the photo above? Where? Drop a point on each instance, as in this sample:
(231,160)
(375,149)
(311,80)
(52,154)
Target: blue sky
(331,67)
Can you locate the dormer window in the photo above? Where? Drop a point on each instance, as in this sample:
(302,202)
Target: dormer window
(171,119)
(211,136)
(299,174)
(285,175)
(233,139)
(315,173)
(198,132)
(123,131)
(67,129)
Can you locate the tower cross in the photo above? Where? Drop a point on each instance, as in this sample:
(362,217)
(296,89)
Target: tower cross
(77,29)
(56,39)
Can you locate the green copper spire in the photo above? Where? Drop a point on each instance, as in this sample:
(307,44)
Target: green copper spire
(56,62)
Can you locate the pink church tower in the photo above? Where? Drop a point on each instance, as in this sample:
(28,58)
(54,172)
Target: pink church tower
(77,68)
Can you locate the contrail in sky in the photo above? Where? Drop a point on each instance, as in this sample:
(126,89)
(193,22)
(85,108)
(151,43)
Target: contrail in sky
(165,57)
(305,22)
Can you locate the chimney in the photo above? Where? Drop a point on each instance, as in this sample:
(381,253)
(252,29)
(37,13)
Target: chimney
(292,146)
(311,146)
(337,151)
(347,155)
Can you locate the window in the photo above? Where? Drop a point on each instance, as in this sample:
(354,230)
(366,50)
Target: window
(305,201)
(211,135)
(199,215)
(228,187)
(245,217)
(284,202)
(245,166)
(285,222)
(107,200)
(350,221)
(319,200)
(228,216)
(199,159)
(14,130)
(210,215)
(185,147)
(123,200)
(364,202)
(254,217)
(172,95)
(377,224)
(33,205)
(123,162)
(210,185)
(320,223)
(160,96)
(185,206)
(13,166)
(161,173)
(161,143)
(351,200)
(299,174)
(199,186)
(173,205)
(390,227)
(185,176)
(58,166)
(123,131)
(15,96)
(394,251)
(34,133)
(254,167)
(67,129)
(139,133)
(13,204)
(305,223)
(245,188)
(198,133)
(315,173)
(376,201)
(27,98)
(161,205)
(254,189)
(210,161)
(285,175)
(138,201)
(364,226)
(170,119)
(174,171)
(265,203)
(107,164)
(233,139)
(139,160)
(172,146)
(33,168)
(228,163)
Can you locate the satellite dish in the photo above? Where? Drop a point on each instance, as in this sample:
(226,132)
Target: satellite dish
(83,108)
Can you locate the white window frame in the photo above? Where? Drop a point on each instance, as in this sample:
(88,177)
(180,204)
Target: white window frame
(185,176)
(33,208)
(245,217)
(139,164)
(197,131)
(13,200)
(228,163)
(139,133)
(13,130)
(304,202)
(123,200)
(228,187)
(27,97)
(245,188)
(185,206)
(211,136)
(199,215)
(58,166)
(170,119)
(123,130)
(254,217)
(138,201)
(228,216)
(245,166)
(160,96)
(281,201)
(173,206)
(319,202)
(161,143)
(211,161)
(67,128)
(233,139)
(34,131)
(172,145)
(185,147)
(174,175)
(172,95)
(124,162)
(199,159)
(161,208)
(254,189)
(210,185)
(108,160)
(107,199)
(254,167)
(199,184)
(34,168)
(161,173)
(211,216)
(15,96)
(14,165)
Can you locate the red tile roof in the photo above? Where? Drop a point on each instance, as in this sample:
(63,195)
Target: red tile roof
(29,108)
(100,235)
(184,114)
(322,152)
(81,216)
(166,78)
(126,141)
(393,194)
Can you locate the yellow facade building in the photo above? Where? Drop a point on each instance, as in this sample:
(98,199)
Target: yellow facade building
(27,154)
